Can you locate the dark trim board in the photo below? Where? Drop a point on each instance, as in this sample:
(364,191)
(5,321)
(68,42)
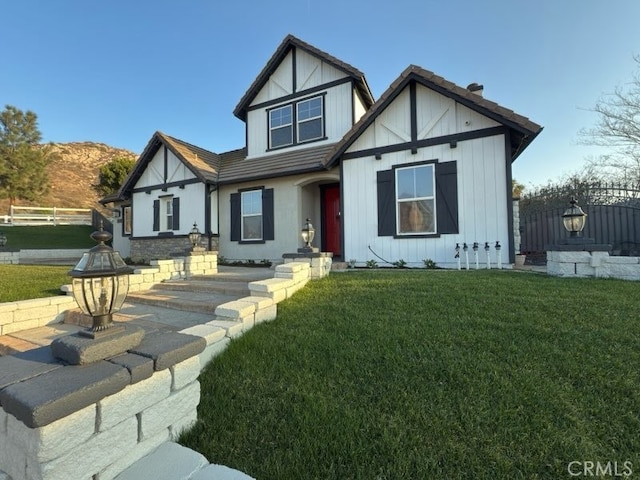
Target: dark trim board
(294,96)
(429,142)
(165,186)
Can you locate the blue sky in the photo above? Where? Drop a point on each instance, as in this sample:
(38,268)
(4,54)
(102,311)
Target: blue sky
(116,71)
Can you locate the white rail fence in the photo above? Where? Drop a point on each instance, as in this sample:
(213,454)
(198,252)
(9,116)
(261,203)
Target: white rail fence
(47,216)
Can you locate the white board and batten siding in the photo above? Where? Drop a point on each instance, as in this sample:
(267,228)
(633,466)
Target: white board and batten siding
(311,72)
(481,182)
(191,196)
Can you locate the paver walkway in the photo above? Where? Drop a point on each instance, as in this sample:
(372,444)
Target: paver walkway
(171,305)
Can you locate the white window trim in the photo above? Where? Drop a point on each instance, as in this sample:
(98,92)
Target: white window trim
(310,119)
(272,128)
(243,216)
(166,205)
(414,199)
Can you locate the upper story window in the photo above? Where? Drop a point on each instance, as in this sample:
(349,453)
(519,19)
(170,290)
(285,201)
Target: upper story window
(280,127)
(310,119)
(298,122)
(415,200)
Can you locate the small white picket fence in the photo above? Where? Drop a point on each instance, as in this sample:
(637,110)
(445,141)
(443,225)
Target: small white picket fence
(47,216)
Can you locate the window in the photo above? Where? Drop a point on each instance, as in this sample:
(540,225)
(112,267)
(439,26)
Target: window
(252,215)
(252,218)
(418,200)
(127,224)
(167,205)
(280,127)
(415,200)
(308,123)
(166,214)
(310,120)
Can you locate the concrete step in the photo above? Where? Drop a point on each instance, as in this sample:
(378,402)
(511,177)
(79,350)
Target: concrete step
(220,287)
(186,300)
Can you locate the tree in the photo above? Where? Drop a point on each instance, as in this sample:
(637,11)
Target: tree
(23,161)
(516,188)
(617,128)
(113,174)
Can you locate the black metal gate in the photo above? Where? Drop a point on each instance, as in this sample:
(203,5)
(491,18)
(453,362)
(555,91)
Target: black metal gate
(613,217)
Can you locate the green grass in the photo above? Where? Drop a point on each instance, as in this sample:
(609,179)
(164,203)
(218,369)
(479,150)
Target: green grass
(429,375)
(22,282)
(48,236)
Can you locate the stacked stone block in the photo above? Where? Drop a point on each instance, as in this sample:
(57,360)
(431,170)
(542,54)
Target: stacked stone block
(103,434)
(592,264)
(26,314)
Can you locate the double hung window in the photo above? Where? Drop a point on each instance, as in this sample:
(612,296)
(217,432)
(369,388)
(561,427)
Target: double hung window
(252,215)
(297,122)
(415,200)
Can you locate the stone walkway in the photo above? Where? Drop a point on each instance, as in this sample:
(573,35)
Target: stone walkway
(172,306)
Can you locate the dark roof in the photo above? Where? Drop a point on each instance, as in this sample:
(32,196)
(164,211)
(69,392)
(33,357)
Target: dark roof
(237,168)
(287,44)
(205,165)
(523,130)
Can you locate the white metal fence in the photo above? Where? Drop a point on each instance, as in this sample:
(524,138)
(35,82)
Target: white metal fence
(47,216)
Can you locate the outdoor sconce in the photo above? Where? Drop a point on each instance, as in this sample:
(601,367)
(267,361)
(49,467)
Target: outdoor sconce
(100,285)
(574,218)
(194,236)
(307,233)
(3,239)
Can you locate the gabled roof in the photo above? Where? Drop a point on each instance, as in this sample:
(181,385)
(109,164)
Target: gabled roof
(236,168)
(205,165)
(287,44)
(523,130)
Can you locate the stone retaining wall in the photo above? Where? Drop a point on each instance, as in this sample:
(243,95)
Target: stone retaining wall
(26,314)
(91,422)
(592,264)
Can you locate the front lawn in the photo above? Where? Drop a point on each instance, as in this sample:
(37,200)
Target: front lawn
(429,375)
(23,282)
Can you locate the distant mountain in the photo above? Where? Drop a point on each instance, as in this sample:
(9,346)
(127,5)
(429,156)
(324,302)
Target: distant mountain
(73,174)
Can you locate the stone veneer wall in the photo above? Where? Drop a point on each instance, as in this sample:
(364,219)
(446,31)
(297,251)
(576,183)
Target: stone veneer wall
(163,247)
(26,314)
(139,407)
(592,264)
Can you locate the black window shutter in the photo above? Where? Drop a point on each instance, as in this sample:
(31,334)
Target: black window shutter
(235,217)
(268,227)
(176,213)
(386,203)
(156,215)
(447,197)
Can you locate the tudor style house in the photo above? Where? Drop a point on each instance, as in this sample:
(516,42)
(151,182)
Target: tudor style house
(407,177)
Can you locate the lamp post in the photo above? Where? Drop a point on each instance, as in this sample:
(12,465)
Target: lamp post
(307,233)
(100,285)
(194,236)
(574,219)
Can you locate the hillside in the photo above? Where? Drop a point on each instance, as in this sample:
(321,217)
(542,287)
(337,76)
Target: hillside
(73,173)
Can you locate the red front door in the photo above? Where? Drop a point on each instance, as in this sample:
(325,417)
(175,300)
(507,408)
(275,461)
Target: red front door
(331,219)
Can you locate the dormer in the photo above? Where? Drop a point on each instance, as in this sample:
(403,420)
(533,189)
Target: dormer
(303,97)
